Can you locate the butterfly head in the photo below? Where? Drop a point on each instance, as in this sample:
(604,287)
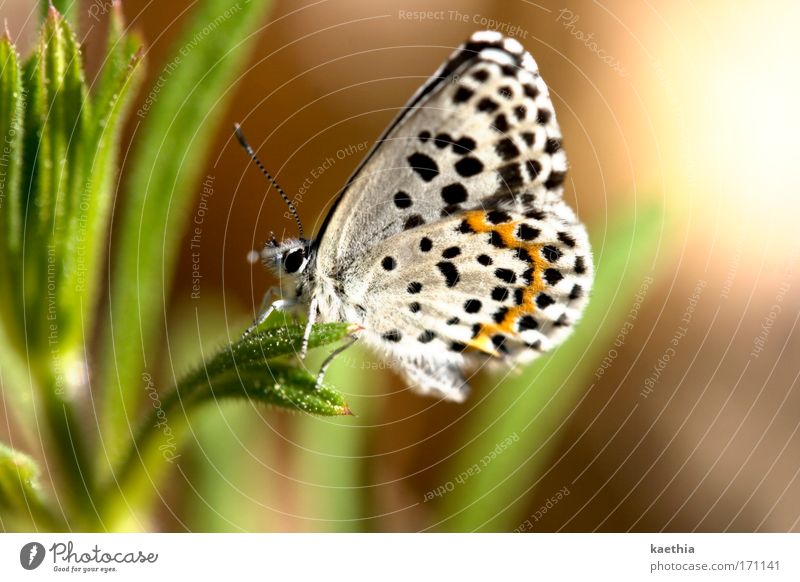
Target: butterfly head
(288,257)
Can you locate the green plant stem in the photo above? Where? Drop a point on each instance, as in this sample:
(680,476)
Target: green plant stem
(176,131)
(70,449)
(128,489)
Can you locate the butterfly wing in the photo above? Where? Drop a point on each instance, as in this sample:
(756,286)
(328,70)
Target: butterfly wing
(481,284)
(451,244)
(483,127)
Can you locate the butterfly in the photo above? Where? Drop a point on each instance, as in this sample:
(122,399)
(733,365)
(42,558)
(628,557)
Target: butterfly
(451,245)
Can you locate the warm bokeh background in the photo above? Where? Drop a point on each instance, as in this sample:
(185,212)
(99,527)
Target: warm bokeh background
(696,114)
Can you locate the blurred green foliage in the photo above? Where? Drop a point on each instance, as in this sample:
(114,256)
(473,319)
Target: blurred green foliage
(59,166)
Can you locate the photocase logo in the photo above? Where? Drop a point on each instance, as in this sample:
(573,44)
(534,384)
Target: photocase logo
(31,555)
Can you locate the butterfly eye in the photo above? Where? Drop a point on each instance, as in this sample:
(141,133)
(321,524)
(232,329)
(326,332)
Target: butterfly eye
(294,260)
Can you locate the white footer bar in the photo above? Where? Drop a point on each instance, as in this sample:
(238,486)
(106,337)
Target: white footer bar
(406,557)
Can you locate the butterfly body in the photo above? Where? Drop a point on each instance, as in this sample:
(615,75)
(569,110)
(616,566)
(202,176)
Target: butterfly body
(451,245)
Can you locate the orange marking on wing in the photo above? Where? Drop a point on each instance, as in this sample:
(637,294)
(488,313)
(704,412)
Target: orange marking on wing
(477,221)
(482,343)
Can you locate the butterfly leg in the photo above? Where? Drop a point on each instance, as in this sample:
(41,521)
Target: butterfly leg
(312,318)
(324,367)
(267,307)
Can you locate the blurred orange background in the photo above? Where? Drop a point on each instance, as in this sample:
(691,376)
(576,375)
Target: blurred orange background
(686,105)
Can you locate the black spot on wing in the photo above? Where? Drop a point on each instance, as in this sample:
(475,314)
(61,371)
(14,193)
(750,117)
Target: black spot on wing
(510,176)
(500,315)
(552,276)
(534,168)
(413,221)
(462,94)
(523,255)
(468,166)
(566,239)
(487,105)
(528,137)
(472,306)
(451,252)
(454,193)
(497,216)
(426,336)
(506,149)
(402,200)
(423,165)
(527,323)
(500,293)
(393,336)
(543,116)
(506,275)
(500,123)
(530,91)
(464,146)
(552,145)
(543,300)
(525,232)
(499,342)
(554,180)
(450,273)
(389,263)
(551,253)
(442,140)
(496,240)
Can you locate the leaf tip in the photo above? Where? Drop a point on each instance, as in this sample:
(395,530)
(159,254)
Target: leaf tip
(137,56)
(354,328)
(117,17)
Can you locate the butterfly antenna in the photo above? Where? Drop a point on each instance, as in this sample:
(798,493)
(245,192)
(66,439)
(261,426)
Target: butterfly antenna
(252,154)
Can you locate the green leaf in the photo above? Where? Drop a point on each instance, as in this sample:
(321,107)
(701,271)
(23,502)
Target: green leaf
(11,133)
(57,114)
(248,369)
(11,112)
(20,494)
(88,226)
(56,120)
(178,120)
(116,75)
(32,179)
(65,123)
(65,7)
(252,368)
(18,480)
(276,384)
(534,404)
